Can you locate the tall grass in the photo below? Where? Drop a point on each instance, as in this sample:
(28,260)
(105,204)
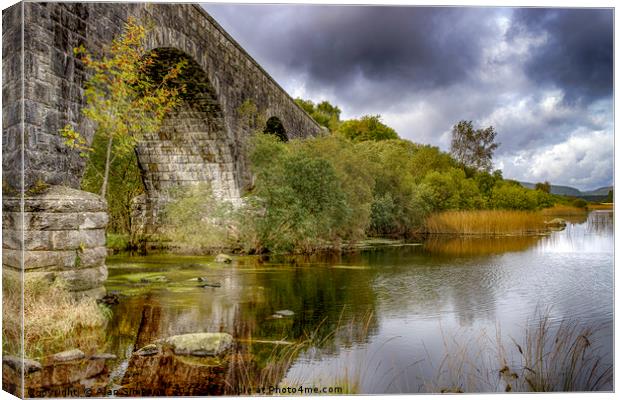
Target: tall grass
(563,359)
(485,222)
(53,319)
(550,358)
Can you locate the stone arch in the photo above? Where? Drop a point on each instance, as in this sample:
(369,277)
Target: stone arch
(274,126)
(192,146)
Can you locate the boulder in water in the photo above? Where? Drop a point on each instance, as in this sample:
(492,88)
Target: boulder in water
(199,344)
(556,223)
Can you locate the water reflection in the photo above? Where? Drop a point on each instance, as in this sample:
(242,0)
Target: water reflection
(593,236)
(462,246)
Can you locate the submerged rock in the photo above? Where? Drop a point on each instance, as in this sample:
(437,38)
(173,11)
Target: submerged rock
(214,284)
(153,279)
(148,350)
(68,355)
(16,363)
(199,344)
(223,258)
(285,313)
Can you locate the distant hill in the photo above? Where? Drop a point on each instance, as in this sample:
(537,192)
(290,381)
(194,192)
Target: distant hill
(592,195)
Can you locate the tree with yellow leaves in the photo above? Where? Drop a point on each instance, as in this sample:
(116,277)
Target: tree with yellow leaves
(123,99)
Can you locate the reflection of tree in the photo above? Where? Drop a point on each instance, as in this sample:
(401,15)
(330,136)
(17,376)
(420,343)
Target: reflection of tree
(322,297)
(150,321)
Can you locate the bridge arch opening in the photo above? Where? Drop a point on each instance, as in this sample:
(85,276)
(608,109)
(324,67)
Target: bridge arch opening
(275,127)
(192,146)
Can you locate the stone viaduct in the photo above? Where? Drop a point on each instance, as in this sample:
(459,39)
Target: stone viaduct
(62,228)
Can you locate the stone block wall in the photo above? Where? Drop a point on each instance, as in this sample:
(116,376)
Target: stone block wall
(62,231)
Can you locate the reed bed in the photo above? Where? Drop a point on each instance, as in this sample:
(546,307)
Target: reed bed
(563,210)
(601,206)
(486,222)
(53,320)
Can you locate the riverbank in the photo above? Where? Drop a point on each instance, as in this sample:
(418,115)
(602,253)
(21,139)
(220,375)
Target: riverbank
(454,223)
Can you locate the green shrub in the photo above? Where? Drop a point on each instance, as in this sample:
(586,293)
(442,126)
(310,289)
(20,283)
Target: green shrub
(306,195)
(580,203)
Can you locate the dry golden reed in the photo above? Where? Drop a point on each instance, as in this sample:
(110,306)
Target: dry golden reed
(53,320)
(563,210)
(486,222)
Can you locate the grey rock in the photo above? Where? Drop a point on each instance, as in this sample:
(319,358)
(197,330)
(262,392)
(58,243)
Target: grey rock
(68,355)
(556,222)
(199,344)
(285,313)
(154,279)
(213,285)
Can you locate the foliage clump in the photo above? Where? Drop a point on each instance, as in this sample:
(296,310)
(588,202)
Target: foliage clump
(369,127)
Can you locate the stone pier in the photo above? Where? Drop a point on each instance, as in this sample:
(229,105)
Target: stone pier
(63,236)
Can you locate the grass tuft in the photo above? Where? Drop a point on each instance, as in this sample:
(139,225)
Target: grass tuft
(53,320)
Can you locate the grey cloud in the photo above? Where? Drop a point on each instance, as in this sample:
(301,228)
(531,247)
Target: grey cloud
(578,55)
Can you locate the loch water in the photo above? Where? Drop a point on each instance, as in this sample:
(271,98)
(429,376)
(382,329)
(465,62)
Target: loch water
(407,318)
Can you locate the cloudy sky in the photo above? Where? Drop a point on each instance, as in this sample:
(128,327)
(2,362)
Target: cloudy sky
(542,77)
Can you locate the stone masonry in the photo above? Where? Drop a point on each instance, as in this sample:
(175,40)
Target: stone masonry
(202,141)
(63,233)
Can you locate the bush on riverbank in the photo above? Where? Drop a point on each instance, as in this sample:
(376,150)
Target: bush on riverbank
(307,195)
(485,222)
(53,320)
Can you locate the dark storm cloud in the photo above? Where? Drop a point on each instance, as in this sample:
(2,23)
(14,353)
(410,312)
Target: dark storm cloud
(403,48)
(578,55)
